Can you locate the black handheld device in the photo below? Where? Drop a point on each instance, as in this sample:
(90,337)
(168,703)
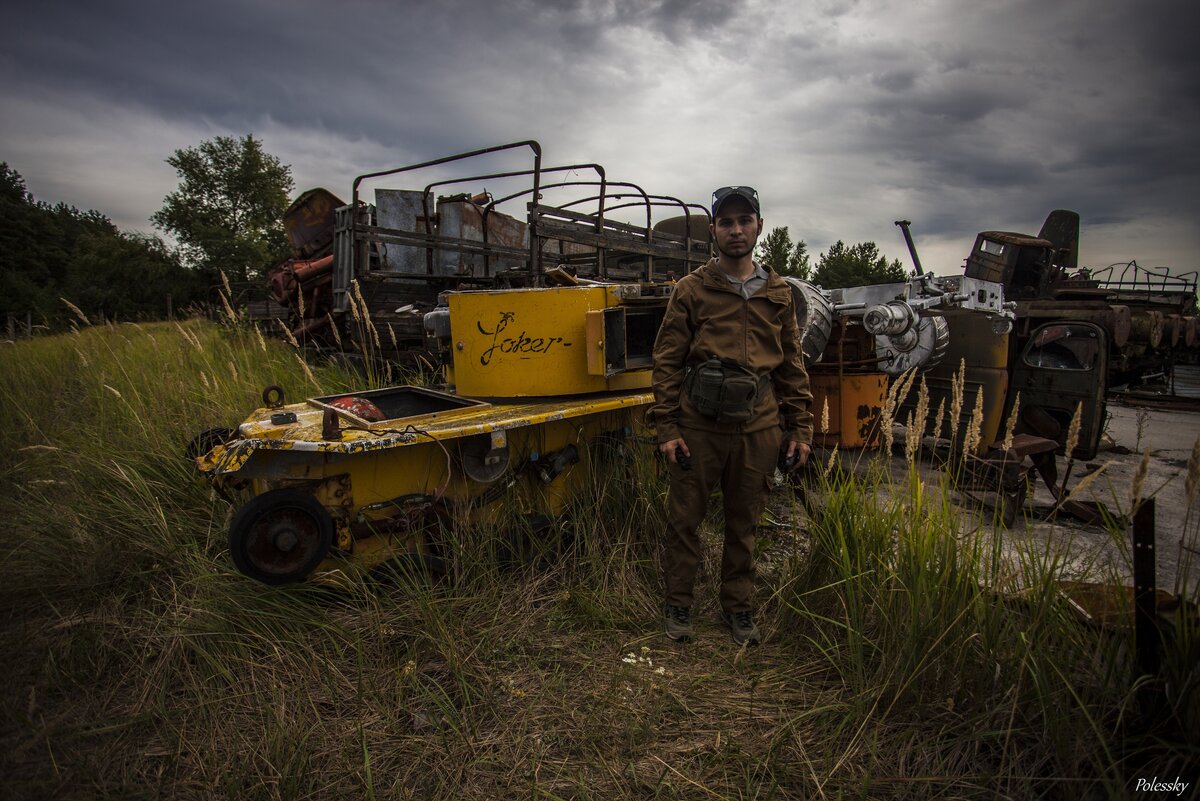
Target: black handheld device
(682,459)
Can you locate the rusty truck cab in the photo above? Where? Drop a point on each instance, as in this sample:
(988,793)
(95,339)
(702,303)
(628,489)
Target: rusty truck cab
(1023,264)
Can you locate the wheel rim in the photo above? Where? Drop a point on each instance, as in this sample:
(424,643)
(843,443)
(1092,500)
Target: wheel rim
(281,542)
(280,536)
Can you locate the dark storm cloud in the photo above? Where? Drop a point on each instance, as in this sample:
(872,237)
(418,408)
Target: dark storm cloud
(1073,104)
(962,116)
(418,74)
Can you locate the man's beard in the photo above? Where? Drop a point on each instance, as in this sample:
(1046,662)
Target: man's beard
(742,250)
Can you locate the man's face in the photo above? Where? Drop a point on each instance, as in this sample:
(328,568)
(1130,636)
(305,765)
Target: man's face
(736,228)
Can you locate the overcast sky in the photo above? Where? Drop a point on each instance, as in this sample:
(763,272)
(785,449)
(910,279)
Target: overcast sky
(845,115)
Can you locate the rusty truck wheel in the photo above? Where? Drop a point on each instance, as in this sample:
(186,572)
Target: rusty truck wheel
(280,536)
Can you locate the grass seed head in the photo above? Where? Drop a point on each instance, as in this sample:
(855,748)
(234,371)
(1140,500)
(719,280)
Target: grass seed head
(1011,428)
(958,389)
(939,417)
(832,461)
(885,428)
(229,312)
(912,439)
(225,283)
(308,373)
(333,326)
(1087,480)
(262,343)
(975,432)
(922,404)
(1191,485)
(1073,429)
(76,311)
(824,415)
(1139,480)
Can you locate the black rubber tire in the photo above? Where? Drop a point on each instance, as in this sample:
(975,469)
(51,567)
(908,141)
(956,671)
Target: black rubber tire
(250,551)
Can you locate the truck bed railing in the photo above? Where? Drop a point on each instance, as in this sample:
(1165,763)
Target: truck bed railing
(1135,278)
(590,243)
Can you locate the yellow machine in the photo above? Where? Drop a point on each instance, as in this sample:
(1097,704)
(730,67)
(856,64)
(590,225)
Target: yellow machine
(552,341)
(542,376)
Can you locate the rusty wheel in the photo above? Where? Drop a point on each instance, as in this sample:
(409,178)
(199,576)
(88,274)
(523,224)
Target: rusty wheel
(280,536)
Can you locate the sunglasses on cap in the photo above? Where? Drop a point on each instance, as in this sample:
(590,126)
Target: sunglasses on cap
(745,192)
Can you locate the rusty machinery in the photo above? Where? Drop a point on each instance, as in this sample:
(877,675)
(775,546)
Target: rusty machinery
(1074,337)
(545,328)
(1149,316)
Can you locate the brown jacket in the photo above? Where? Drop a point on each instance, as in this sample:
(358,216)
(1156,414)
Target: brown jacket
(707,317)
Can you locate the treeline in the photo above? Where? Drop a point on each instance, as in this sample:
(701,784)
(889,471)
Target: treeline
(840,266)
(52,252)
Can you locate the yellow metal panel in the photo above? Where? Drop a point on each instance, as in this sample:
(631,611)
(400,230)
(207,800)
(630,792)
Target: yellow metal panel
(594,338)
(259,435)
(524,343)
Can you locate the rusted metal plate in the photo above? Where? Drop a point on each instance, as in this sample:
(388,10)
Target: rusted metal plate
(462,219)
(309,222)
(855,403)
(402,210)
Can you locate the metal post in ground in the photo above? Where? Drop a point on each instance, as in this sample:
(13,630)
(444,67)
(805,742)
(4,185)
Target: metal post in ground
(1145,589)
(1147,636)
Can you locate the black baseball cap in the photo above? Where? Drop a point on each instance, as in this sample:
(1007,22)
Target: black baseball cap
(724,193)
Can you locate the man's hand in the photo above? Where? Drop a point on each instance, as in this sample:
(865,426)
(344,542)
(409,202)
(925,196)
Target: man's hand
(796,450)
(667,449)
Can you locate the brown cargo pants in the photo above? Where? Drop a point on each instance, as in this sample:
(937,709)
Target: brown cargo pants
(742,465)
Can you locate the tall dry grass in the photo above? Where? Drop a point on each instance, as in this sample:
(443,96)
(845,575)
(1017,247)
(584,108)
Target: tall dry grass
(911,652)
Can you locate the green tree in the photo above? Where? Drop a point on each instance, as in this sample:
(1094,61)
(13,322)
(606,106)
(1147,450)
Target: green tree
(129,276)
(12,185)
(51,252)
(227,213)
(777,252)
(857,265)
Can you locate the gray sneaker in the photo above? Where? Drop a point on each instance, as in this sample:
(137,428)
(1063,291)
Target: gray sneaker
(741,624)
(679,623)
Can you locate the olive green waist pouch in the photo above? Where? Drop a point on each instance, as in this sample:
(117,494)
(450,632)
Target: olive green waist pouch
(724,390)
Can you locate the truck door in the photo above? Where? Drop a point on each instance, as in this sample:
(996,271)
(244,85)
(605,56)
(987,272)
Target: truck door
(1062,365)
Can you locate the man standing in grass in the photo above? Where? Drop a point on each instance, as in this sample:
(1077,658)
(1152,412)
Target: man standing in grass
(730,394)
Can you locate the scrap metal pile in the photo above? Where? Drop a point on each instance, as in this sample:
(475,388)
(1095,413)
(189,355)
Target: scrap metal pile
(543,324)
